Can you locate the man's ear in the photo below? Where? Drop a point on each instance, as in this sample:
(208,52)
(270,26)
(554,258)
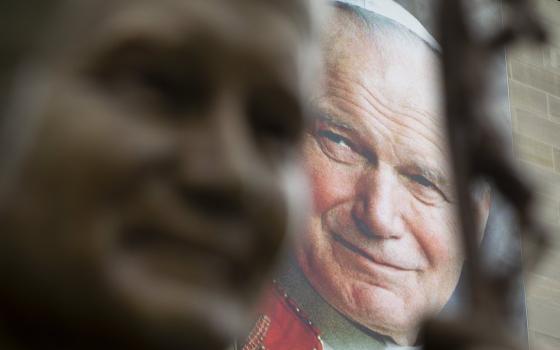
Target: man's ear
(482,203)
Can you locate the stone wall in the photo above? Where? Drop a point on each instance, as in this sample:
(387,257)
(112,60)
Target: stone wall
(534,87)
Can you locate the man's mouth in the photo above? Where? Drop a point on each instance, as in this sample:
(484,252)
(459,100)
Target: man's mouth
(355,249)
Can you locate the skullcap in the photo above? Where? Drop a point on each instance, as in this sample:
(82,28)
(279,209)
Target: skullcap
(395,12)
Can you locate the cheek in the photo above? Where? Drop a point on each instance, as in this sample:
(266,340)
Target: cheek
(331,182)
(437,231)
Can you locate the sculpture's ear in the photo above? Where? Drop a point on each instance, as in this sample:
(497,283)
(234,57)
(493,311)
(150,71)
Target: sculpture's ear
(482,199)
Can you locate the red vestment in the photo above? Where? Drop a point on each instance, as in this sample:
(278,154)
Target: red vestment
(282,325)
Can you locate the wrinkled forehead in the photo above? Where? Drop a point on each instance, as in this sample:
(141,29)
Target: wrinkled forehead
(385,58)
(387,72)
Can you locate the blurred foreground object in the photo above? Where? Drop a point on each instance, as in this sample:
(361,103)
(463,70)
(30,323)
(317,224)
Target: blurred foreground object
(479,153)
(148,172)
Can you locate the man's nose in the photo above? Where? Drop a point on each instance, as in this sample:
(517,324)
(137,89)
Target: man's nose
(378,206)
(215,169)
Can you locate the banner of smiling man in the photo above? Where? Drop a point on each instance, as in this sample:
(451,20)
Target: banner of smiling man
(382,246)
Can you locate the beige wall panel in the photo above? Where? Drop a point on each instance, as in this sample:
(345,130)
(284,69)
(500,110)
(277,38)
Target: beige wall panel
(554,107)
(545,342)
(546,131)
(549,9)
(543,316)
(528,98)
(527,53)
(551,58)
(533,151)
(538,78)
(557,160)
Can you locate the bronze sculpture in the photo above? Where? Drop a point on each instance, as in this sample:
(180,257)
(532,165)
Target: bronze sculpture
(151,174)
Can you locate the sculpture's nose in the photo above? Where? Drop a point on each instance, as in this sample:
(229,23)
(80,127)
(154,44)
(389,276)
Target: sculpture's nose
(215,171)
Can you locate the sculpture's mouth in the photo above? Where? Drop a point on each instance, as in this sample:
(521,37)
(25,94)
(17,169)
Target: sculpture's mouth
(178,281)
(179,256)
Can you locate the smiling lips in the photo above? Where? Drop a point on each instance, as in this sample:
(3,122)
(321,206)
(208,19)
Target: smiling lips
(376,260)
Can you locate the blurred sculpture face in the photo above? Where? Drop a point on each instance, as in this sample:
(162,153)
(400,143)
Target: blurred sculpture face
(151,192)
(382,245)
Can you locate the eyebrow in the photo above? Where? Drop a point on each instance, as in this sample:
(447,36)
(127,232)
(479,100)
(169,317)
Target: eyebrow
(437,176)
(325,117)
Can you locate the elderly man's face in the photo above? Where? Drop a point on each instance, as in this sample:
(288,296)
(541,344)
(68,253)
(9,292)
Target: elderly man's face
(382,246)
(153,183)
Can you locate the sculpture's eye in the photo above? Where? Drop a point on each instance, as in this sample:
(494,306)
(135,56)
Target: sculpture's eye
(276,118)
(155,78)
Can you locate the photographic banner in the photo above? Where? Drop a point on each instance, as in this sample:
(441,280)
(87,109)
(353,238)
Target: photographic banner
(382,248)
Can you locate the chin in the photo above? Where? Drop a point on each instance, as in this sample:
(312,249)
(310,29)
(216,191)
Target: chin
(176,313)
(378,309)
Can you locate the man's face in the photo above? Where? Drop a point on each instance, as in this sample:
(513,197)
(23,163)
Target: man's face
(382,245)
(155,181)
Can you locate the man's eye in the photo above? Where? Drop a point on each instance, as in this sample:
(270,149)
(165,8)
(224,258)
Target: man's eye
(331,136)
(338,147)
(426,190)
(423,181)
